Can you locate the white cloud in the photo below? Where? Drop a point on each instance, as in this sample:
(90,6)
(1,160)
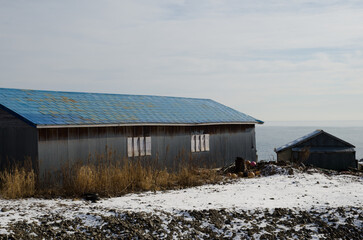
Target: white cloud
(265,58)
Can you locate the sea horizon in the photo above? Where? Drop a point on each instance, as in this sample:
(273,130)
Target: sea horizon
(274,134)
(314,123)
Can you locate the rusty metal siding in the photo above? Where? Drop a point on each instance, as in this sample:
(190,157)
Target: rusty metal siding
(171,150)
(170,146)
(83,147)
(114,144)
(74,145)
(93,142)
(159,149)
(62,143)
(18,141)
(53,150)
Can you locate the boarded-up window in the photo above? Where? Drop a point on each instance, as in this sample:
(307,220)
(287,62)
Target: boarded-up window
(142,146)
(136,146)
(200,143)
(192,142)
(197,143)
(206,142)
(130,149)
(148,146)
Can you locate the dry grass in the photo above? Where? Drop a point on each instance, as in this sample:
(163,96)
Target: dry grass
(106,179)
(115,180)
(17,183)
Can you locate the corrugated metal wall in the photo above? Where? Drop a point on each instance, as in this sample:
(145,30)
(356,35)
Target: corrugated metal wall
(18,141)
(170,146)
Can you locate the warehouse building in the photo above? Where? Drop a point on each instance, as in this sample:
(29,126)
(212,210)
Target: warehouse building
(52,128)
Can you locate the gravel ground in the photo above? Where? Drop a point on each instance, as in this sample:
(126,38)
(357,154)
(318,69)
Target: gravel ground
(309,205)
(278,223)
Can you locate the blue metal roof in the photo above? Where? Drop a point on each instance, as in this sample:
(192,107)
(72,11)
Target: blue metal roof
(75,108)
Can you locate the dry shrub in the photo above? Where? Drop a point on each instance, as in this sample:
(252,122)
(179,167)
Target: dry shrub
(86,179)
(140,177)
(17,183)
(105,178)
(108,179)
(187,177)
(119,179)
(163,179)
(209,175)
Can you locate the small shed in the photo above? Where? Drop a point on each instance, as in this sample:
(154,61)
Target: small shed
(319,149)
(360,164)
(53,128)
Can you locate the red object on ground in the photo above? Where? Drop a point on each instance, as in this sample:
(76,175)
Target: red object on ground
(253,163)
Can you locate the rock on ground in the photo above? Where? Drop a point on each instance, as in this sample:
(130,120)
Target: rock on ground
(278,223)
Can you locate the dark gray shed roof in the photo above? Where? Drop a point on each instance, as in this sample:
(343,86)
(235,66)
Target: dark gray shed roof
(324,149)
(308,137)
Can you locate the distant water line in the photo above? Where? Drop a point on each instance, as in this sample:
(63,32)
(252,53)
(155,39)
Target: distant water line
(270,137)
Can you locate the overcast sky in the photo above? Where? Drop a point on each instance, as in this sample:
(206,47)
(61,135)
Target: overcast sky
(274,60)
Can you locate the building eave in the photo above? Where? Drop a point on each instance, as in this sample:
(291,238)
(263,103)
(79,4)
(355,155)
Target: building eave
(144,124)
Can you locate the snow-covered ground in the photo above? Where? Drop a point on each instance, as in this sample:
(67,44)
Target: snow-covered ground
(302,191)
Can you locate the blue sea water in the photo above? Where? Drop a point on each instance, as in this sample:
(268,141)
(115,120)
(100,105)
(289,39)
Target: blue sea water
(271,136)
